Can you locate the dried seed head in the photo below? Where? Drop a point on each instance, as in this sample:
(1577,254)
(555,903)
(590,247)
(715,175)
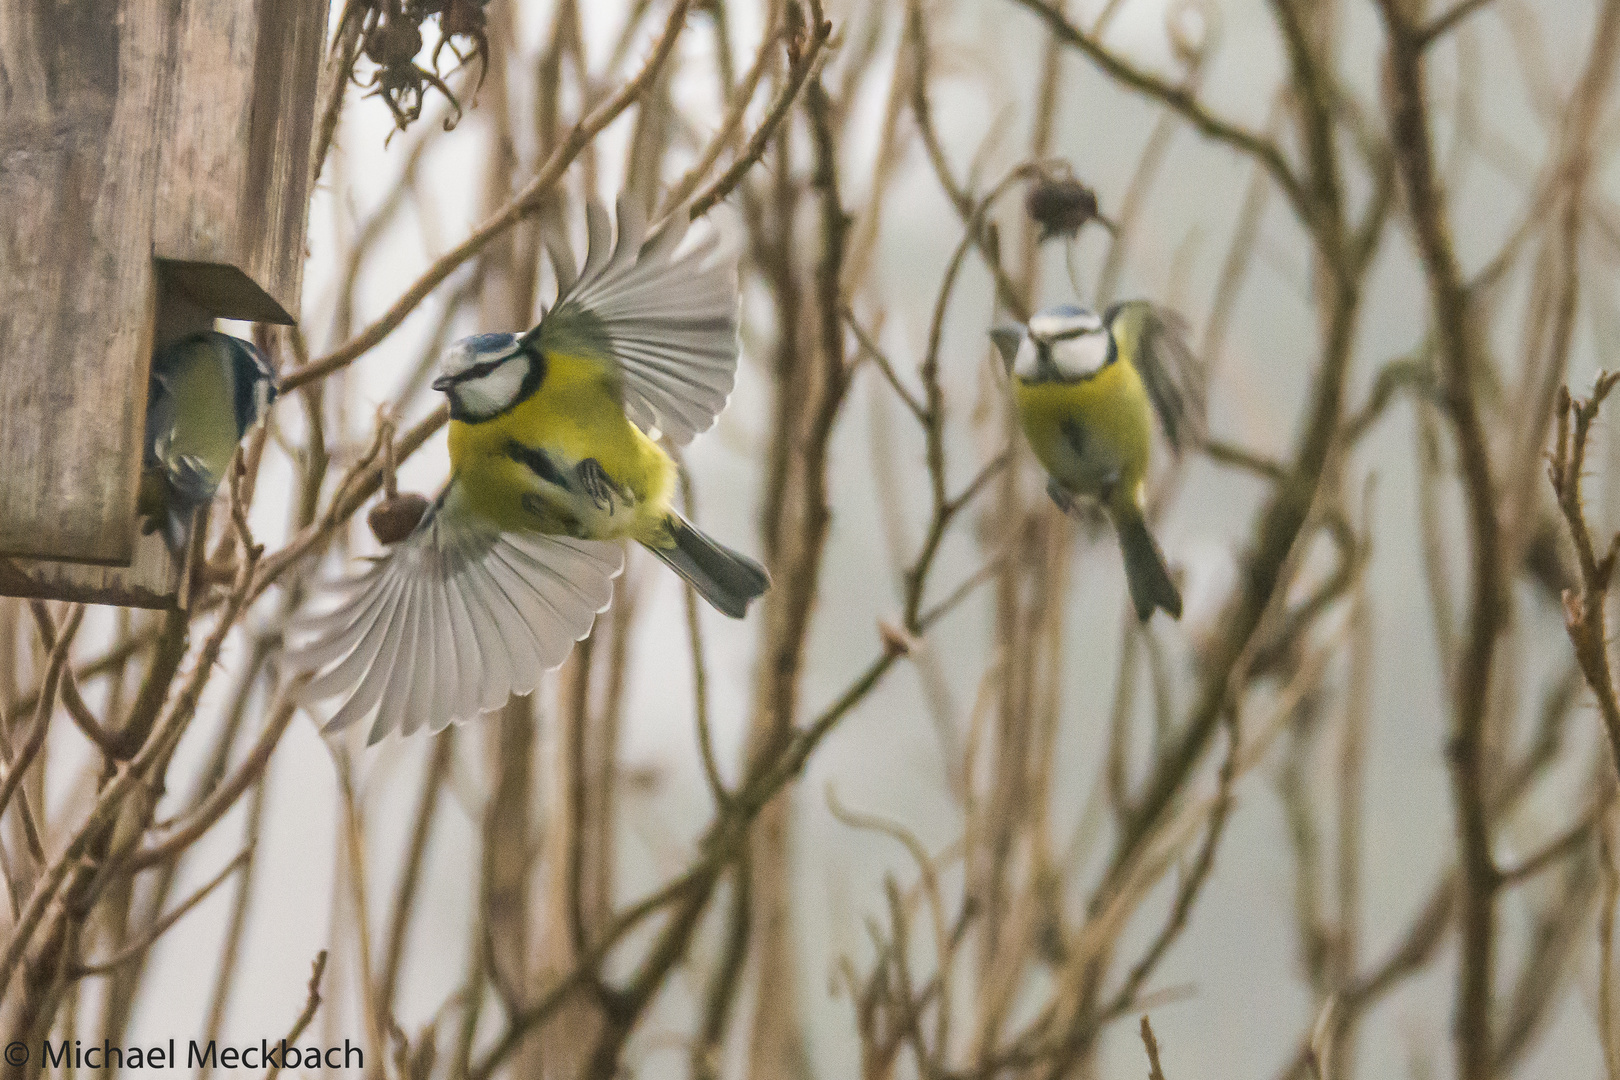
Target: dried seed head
(1060,205)
(392,520)
(393,42)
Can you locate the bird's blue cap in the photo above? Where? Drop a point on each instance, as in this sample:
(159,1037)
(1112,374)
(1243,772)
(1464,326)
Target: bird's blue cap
(488,343)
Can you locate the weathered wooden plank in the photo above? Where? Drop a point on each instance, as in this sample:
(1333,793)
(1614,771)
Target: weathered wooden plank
(233,184)
(78,164)
(154,578)
(151,580)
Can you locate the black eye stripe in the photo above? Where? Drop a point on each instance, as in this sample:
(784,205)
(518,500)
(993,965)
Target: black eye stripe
(482,368)
(1068,334)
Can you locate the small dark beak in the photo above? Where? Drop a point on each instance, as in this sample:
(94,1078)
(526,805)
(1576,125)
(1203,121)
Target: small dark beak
(443,383)
(1007,338)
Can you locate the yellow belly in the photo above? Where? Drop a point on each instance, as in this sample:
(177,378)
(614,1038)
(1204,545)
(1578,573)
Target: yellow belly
(575,415)
(1104,452)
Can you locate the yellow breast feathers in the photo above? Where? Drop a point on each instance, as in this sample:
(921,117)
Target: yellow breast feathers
(1091,435)
(520,469)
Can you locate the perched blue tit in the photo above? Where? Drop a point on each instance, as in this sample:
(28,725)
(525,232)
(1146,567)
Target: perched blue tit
(1084,387)
(207,390)
(555,459)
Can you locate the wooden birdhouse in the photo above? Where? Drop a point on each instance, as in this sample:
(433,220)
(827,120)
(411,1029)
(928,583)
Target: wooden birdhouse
(154,176)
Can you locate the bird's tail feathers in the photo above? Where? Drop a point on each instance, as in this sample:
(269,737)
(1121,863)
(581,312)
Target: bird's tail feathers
(1145,572)
(177,527)
(726,579)
(170,496)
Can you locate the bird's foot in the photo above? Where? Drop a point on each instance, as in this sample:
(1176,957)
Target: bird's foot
(1064,498)
(552,518)
(596,483)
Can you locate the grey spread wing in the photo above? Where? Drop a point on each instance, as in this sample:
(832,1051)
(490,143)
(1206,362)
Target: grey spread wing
(1173,376)
(451,622)
(668,317)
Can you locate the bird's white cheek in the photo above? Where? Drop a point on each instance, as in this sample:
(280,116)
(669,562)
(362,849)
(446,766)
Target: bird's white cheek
(493,393)
(1025,365)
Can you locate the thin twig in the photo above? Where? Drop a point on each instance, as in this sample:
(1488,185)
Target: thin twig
(1440,25)
(1558,848)
(798,74)
(1155,1071)
(870,351)
(1585,612)
(399,919)
(739,97)
(1459,360)
(185,831)
(700,670)
(1177,98)
(42,712)
(311,1003)
(144,940)
(109,662)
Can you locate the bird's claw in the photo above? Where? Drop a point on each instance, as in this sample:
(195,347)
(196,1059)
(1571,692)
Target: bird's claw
(1061,496)
(596,483)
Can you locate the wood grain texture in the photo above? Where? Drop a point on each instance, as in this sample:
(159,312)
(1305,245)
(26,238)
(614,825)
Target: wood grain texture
(233,182)
(154,577)
(151,580)
(78,159)
(129,129)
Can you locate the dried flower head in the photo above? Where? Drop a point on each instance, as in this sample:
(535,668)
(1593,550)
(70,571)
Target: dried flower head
(395,518)
(1061,206)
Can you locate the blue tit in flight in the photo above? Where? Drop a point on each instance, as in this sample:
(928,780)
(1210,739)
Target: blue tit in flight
(554,459)
(207,390)
(1084,386)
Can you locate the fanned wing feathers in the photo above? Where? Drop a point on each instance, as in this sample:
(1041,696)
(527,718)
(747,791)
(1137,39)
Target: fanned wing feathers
(452,621)
(669,319)
(1156,340)
(460,615)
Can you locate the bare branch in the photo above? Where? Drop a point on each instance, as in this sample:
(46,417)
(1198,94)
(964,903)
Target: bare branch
(1177,98)
(1155,1072)
(144,940)
(311,1003)
(1441,25)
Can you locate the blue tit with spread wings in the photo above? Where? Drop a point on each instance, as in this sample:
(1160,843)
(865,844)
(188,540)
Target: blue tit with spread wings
(555,460)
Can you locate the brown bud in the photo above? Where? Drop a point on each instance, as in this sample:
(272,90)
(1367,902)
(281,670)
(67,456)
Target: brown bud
(1060,205)
(392,520)
(897,641)
(1574,614)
